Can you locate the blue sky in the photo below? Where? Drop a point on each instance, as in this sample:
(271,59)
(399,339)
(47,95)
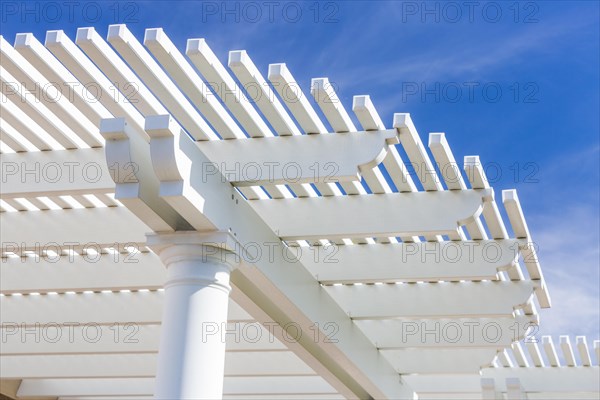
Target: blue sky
(532,69)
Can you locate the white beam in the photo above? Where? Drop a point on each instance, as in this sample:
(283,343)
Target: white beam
(439,361)
(127,338)
(393,214)
(426,300)
(145,386)
(72,227)
(189,81)
(244,69)
(296,159)
(214,72)
(142,63)
(91,308)
(77,273)
(55,173)
(77,366)
(410,262)
(446,333)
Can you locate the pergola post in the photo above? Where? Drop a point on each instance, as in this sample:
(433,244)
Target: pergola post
(192,350)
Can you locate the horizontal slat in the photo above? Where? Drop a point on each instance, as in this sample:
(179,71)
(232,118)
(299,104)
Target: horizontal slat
(295,159)
(446,333)
(426,300)
(80,273)
(143,365)
(393,214)
(561,380)
(92,308)
(439,361)
(145,386)
(410,262)
(125,338)
(32,229)
(54,173)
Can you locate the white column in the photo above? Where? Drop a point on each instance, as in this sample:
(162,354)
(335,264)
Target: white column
(192,352)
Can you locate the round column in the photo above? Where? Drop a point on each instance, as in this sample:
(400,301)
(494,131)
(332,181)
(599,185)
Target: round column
(192,351)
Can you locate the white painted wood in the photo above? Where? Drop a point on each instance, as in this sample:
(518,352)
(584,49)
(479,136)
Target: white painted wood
(295,159)
(432,361)
(410,262)
(85,272)
(584,354)
(427,300)
(122,77)
(214,72)
(190,83)
(446,333)
(92,308)
(115,100)
(392,214)
(58,172)
(76,366)
(74,226)
(333,109)
(142,63)
(409,137)
(43,60)
(292,95)
(125,338)
(144,386)
(261,93)
(20,68)
(567,351)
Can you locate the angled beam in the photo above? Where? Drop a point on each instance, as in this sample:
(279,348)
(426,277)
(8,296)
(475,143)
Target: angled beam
(410,262)
(86,72)
(21,69)
(43,60)
(244,69)
(215,73)
(189,81)
(432,300)
(393,214)
(417,154)
(290,92)
(55,173)
(584,353)
(521,231)
(331,105)
(142,63)
(296,159)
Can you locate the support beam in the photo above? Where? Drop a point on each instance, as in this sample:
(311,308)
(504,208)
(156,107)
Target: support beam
(70,228)
(393,214)
(432,300)
(281,386)
(296,159)
(446,332)
(55,173)
(81,366)
(439,361)
(92,308)
(410,262)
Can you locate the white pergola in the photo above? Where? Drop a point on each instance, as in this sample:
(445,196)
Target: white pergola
(162,238)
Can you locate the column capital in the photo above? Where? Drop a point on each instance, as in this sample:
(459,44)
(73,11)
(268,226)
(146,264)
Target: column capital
(216,246)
